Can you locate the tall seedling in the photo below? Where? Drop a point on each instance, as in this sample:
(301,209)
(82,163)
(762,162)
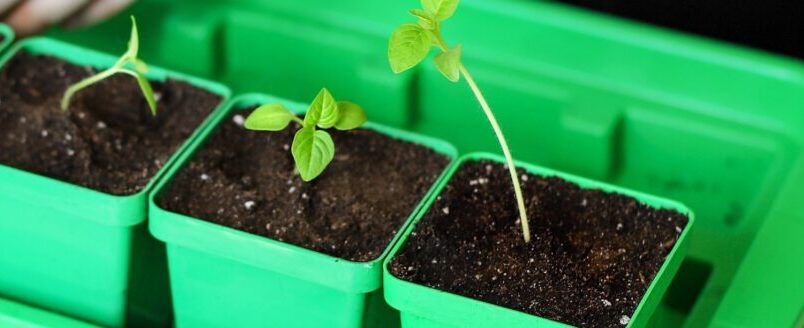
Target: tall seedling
(410,44)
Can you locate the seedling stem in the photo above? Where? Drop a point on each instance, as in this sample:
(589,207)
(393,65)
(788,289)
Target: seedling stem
(411,43)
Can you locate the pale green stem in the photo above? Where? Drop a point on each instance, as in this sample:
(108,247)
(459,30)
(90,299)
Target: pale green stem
(129,72)
(73,89)
(520,200)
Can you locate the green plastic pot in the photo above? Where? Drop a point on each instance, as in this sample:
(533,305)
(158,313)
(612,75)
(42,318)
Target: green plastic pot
(79,251)
(17,315)
(423,306)
(8,36)
(222,277)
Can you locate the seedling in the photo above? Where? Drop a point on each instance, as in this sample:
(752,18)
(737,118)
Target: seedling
(410,44)
(127,64)
(312,149)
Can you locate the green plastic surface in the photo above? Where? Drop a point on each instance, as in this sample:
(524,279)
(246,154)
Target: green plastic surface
(423,306)
(715,126)
(18,315)
(7,35)
(225,277)
(78,251)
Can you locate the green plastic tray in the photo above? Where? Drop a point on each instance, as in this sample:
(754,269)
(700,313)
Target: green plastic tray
(8,36)
(423,306)
(715,126)
(225,277)
(79,251)
(18,315)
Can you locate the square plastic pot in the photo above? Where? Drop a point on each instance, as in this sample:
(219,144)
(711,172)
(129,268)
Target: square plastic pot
(422,306)
(17,315)
(222,277)
(8,36)
(78,251)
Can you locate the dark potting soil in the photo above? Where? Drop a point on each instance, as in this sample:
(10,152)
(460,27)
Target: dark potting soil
(107,140)
(247,180)
(591,258)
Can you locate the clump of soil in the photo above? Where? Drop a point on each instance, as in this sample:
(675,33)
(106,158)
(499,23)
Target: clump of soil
(592,256)
(107,140)
(247,180)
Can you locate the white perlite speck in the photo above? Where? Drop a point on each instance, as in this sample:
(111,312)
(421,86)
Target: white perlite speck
(70,152)
(101,125)
(249,204)
(204,177)
(624,320)
(445,210)
(238,119)
(44,133)
(292,190)
(478,181)
(606,302)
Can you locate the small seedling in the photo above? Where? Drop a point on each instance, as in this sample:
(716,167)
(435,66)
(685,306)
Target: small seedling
(410,44)
(126,64)
(312,149)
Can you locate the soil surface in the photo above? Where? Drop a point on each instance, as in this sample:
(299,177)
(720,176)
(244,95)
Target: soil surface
(592,256)
(107,140)
(247,180)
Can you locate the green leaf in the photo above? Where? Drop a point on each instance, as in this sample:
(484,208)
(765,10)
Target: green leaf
(449,63)
(133,41)
(352,116)
(426,19)
(323,110)
(426,24)
(312,150)
(408,46)
(147,91)
(441,9)
(269,117)
(145,86)
(421,13)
